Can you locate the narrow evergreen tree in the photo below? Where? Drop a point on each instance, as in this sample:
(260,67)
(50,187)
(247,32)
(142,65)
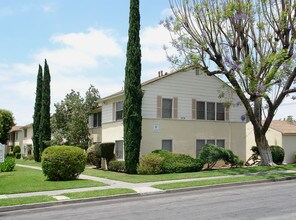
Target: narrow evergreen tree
(44,129)
(37,115)
(132,120)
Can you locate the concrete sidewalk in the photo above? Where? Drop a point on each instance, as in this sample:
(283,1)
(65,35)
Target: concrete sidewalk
(140,188)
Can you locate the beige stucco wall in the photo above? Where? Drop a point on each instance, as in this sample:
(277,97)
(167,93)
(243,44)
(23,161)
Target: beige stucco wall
(112,132)
(185,133)
(96,134)
(289,144)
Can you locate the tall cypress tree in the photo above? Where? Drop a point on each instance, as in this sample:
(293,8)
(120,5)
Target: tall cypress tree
(44,129)
(37,115)
(132,120)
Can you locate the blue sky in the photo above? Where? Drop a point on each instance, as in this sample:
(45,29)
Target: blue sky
(84,43)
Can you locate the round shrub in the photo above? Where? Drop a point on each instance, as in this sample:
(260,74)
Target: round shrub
(150,164)
(278,154)
(63,162)
(16,149)
(18,155)
(178,163)
(117,166)
(94,155)
(8,164)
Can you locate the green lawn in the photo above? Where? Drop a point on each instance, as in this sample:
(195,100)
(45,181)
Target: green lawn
(28,162)
(222,181)
(174,176)
(98,193)
(28,180)
(26,200)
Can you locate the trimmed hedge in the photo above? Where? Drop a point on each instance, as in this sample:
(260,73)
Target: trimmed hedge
(63,162)
(94,155)
(16,149)
(8,164)
(117,166)
(107,151)
(18,155)
(151,163)
(178,163)
(278,154)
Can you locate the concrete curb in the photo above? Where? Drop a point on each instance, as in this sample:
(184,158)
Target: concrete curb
(106,198)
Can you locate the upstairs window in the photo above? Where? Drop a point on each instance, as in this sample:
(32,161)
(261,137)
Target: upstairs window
(167,108)
(200,110)
(220,115)
(25,132)
(210,110)
(119,110)
(97,119)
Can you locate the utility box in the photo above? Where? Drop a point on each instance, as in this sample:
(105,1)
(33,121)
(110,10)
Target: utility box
(2,153)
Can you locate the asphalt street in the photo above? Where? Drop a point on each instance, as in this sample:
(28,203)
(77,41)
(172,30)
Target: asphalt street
(261,201)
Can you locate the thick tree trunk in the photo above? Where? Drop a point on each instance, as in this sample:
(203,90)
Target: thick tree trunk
(264,150)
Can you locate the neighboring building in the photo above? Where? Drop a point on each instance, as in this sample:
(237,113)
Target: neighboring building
(22,136)
(282,133)
(181,112)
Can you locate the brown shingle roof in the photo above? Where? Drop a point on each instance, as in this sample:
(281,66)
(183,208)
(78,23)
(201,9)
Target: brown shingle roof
(15,128)
(284,127)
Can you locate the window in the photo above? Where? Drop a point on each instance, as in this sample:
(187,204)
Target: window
(220,112)
(16,136)
(167,105)
(119,110)
(199,145)
(211,141)
(119,150)
(97,119)
(221,143)
(200,110)
(25,132)
(210,110)
(167,145)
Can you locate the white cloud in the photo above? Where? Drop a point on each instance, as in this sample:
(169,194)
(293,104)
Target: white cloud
(152,41)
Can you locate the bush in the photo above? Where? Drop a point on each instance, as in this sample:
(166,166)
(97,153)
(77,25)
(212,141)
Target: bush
(107,151)
(94,155)
(178,163)
(63,162)
(8,164)
(29,157)
(117,166)
(231,158)
(18,155)
(210,154)
(16,149)
(10,154)
(150,164)
(278,154)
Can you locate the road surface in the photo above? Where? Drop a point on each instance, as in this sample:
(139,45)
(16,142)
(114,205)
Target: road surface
(261,201)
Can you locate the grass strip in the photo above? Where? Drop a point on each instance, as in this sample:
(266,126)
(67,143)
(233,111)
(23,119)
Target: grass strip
(26,200)
(221,181)
(98,193)
(134,178)
(28,162)
(28,180)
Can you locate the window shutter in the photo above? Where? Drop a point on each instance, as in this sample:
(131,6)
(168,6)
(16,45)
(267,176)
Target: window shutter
(90,121)
(113,111)
(158,110)
(175,107)
(194,109)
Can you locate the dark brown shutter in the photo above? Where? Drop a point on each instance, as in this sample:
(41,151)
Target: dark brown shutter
(158,110)
(194,109)
(175,107)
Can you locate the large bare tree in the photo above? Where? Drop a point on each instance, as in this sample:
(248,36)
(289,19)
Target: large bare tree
(251,44)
